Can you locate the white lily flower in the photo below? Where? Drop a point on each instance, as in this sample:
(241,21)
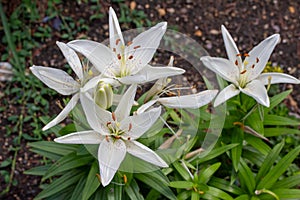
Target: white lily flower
(185,101)
(116,133)
(246,76)
(62,82)
(126,63)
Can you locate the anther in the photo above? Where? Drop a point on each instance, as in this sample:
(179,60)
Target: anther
(128,138)
(243,72)
(117,41)
(129,43)
(239,54)
(125,178)
(117,137)
(113,115)
(107,138)
(257,60)
(114,49)
(136,47)
(108,123)
(246,55)
(130,127)
(130,57)
(119,56)
(236,62)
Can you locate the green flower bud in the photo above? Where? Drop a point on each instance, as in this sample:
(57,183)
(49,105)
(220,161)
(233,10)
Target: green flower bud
(103,95)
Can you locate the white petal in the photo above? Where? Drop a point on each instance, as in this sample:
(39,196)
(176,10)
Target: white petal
(223,67)
(230,46)
(64,113)
(189,101)
(126,102)
(94,81)
(115,35)
(145,44)
(139,123)
(262,51)
(98,54)
(146,106)
(227,93)
(277,78)
(257,90)
(110,156)
(72,59)
(97,117)
(141,151)
(149,73)
(82,137)
(56,79)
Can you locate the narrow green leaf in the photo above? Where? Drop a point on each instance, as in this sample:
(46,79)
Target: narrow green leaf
(133,191)
(51,156)
(258,144)
(181,184)
(268,162)
(155,184)
(236,152)
(66,163)
(280,121)
(195,196)
(68,179)
(287,193)
(92,182)
(224,185)
(270,132)
(181,170)
(275,100)
(289,182)
(53,147)
(243,197)
(216,192)
(246,176)
(214,153)
(184,195)
(77,192)
(38,171)
(205,176)
(255,122)
(268,181)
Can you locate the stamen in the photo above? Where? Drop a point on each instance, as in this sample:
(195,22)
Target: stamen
(236,62)
(125,178)
(114,50)
(98,177)
(119,56)
(252,66)
(243,72)
(129,43)
(130,57)
(257,60)
(113,115)
(239,54)
(117,136)
(108,123)
(246,55)
(240,124)
(117,41)
(130,127)
(136,47)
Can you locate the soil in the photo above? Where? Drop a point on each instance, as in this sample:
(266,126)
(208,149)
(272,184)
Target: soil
(249,22)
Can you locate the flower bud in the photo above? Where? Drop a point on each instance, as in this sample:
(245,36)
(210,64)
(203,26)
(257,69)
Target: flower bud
(103,95)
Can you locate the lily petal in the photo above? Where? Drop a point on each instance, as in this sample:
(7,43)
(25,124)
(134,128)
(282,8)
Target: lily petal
(64,113)
(257,90)
(125,104)
(94,81)
(227,93)
(231,48)
(116,40)
(259,56)
(95,115)
(72,59)
(149,73)
(145,106)
(56,79)
(141,151)
(189,101)
(277,78)
(110,156)
(82,137)
(145,44)
(223,67)
(137,125)
(98,54)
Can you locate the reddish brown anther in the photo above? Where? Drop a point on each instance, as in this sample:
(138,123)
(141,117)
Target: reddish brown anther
(117,41)
(257,60)
(136,47)
(236,62)
(113,115)
(130,127)
(246,55)
(114,50)
(239,54)
(130,57)
(243,72)
(119,56)
(107,138)
(129,43)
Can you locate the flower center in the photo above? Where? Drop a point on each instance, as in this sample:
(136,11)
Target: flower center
(115,131)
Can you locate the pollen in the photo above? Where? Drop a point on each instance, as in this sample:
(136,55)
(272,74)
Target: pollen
(239,54)
(119,56)
(243,72)
(117,41)
(246,54)
(136,47)
(130,57)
